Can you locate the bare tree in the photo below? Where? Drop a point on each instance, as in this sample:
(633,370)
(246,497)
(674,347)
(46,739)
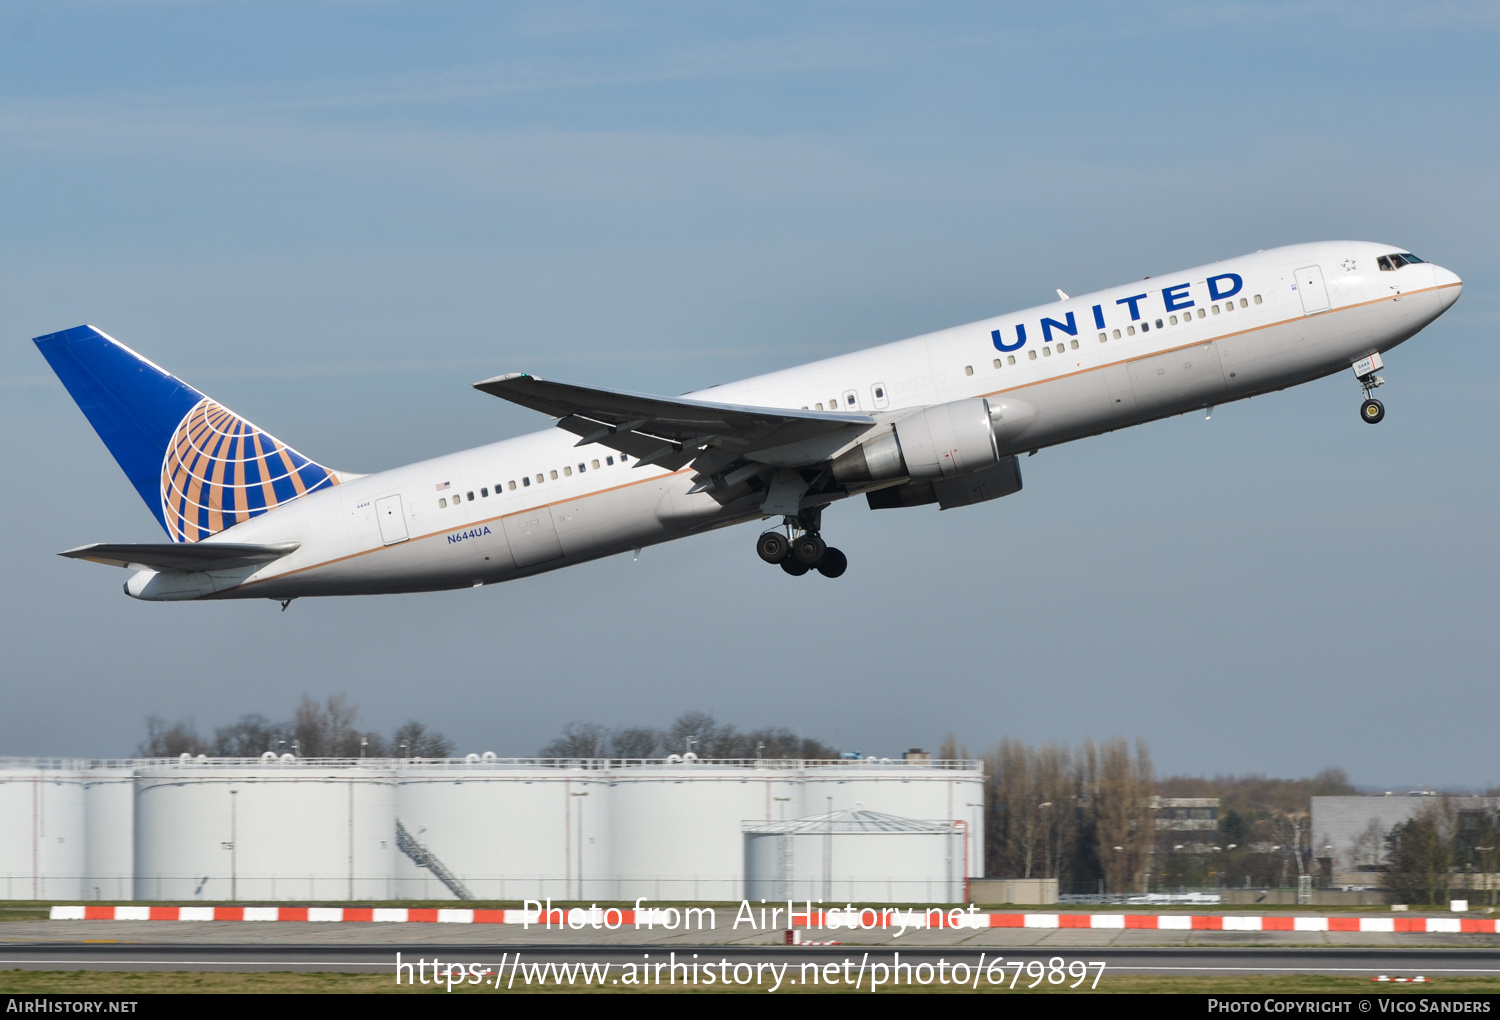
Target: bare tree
(252,736)
(634,742)
(163,741)
(579,740)
(698,732)
(1368,851)
(1032,794)
(414,740)
(1118,790)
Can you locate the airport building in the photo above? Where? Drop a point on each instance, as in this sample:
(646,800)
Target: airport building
(279,828)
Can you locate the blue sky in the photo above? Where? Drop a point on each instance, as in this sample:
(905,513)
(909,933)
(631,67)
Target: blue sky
(334,217)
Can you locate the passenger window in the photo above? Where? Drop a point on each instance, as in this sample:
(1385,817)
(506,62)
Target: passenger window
(1073,344)
(1201,313)
(442,502)
(820,405)
(486,492)
(610,461)
(1244,303)
(1228,306)
(540,479)
(1158,324)
(1145,327)
(1172,320)
(1130,330)
(623,458)
(566,470)
(833,405)
(584,467)
(1103,337)
(526,481)
(968,370)
(997,362)
(512,485)
(1216,309)
(1257,299)
(1010,359)
(471,497)
(1117,334)
(594,464)
(1046,352)
(1031,355)
(553,473)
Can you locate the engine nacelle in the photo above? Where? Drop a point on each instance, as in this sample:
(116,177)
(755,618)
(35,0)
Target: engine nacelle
(939,442)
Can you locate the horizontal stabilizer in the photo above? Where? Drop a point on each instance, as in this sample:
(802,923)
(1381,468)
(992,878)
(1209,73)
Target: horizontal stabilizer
(181,556)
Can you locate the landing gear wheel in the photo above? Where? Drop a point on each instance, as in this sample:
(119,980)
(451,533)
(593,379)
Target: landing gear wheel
(794,566)
(1372,411)
(773,547)
(833,563)
(809,550)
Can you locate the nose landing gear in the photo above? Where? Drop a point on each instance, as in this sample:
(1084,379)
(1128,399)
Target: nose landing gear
(805,552)
(1371,410)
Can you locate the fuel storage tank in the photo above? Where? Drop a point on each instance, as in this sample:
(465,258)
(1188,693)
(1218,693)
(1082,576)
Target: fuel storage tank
(42,827)
(855,856)
(504,829)
(109,844)
(228,829)
(677,825)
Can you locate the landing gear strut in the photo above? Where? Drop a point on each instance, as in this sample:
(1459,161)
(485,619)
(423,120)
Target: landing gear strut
(1371,410)
(801,548)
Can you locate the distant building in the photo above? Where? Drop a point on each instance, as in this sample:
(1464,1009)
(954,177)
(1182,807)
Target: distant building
(1185,824)
(1349,833)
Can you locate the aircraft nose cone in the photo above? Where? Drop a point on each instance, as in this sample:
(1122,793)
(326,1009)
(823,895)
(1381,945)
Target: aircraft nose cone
(1450,286)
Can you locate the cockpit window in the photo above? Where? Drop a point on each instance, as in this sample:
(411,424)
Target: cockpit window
(1389,262)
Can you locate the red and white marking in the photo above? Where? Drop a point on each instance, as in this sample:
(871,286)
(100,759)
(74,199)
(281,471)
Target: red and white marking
(613,917)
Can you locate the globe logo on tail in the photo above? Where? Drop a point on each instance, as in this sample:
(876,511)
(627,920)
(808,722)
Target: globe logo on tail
(220,470)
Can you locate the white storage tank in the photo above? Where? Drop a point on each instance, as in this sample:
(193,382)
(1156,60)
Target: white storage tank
(908,790)
(504,830)
(41,831)
(109,845)
(677,827)
(861,857)
(225,830)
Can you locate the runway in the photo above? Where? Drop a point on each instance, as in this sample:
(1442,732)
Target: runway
(373,958)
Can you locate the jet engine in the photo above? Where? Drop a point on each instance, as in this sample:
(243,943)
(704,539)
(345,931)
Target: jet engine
(938,442)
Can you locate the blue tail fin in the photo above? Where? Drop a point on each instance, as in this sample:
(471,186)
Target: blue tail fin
(200,467)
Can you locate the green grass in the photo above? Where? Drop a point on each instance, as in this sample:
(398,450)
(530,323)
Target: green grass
(22,982)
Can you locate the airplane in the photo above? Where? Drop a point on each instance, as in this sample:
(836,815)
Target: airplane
(940,419)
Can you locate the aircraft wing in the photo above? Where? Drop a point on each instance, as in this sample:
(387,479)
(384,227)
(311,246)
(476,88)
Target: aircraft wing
(183,556)
(673,431)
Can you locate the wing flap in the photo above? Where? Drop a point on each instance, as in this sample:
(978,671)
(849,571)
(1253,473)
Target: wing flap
(181,556)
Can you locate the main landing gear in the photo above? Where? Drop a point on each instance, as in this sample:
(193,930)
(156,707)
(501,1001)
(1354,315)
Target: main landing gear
(804,551)
(1371,410)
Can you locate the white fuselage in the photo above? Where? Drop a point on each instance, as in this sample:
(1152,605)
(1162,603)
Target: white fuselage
(1272,333)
